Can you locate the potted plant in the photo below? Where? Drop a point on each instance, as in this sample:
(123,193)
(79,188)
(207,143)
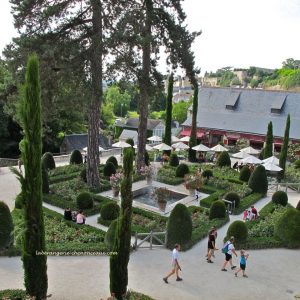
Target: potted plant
(147,171)
(115,182)
(192,182)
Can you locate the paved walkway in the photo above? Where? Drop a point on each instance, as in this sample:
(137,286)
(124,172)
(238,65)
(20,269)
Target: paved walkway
(273,274)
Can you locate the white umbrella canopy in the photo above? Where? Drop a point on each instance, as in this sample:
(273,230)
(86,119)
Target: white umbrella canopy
(121,145)
(180,146)
(201,148)
(250,150)
(251,160)
(218,148)
(86,148)
(241,154)
(162,147)
(148,148)
(185,139)
(154,138)
(174,139)
(273,159)
(271,167)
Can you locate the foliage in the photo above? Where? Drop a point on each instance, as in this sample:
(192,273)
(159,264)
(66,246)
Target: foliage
(76,157)
(297,164)
(287,228)
(258,181)
(192,181)
(45,180)
(115,180)
(245,173)
(233,197)
(83,175)
(247,201)
(19,202)
(224,160)
(14,294)
(109,169)
(130,141)
(293,150)
(147,159)
(268,150)
(280,197)
(284,149)
(110,235)
(169,102)
(182,170)
(239,230)
(179,226)
(193,136)
(217,210)
(174,161)
(84,200)
(6,226)
(179,111)
(298,205)
(158,115)
(207,174)
(207,202)
(48,161)
(110,211)
(147,171)
(113,160)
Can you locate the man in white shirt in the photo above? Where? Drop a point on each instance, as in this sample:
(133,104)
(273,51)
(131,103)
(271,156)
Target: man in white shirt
(175,265)
(229,250)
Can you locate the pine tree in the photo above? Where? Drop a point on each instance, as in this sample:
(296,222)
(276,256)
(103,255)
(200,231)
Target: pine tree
(35,266)
(284,149)
(167,138)
(268,152)
(119,262)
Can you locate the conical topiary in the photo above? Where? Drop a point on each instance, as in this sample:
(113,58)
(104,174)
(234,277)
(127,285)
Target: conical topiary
(6,226)
(76,157)
(224,160)
(239,230)
(258,181)
(48,161)
(245,174)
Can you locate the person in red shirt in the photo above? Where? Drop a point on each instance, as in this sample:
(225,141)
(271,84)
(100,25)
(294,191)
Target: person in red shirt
(254,212)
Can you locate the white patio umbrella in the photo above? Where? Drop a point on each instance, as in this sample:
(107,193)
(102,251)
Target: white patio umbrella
(250,150)
(154,138)
(241,154)
(180,146)
(121,145)
(174,139)
(185,139)
(86,148)
(162,147)
(218,148)
(201,148)
(273,159)
(271,167)
(251,160)
(148,148)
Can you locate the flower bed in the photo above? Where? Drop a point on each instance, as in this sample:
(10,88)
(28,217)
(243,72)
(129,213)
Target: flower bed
(246,202)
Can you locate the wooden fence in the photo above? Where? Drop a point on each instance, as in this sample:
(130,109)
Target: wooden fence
(148,238)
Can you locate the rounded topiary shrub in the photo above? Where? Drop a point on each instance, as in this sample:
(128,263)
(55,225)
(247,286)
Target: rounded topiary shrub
(298,205)
(179,226)
(6,226)
(48,161)
(45,180)
(217,210)
(224,160)
(110,235)
(147,159)
(113,160)
(233,197)
(287,228)
(182,170)
(245,174)
(130,141)
(110,211)
(84,200)
(297,164)
(174,161)
(280,197)
(207,174)
(83,175)
(76,157)
(239,230)
(258,181)
(109,169)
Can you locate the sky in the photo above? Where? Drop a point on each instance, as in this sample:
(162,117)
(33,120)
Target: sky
(236,33)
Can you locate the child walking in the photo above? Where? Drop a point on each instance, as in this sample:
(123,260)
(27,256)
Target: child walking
(243,260)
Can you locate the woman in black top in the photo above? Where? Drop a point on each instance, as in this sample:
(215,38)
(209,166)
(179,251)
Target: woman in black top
(211,245)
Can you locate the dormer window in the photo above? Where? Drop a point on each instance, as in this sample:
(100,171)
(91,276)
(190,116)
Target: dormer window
(278,104)
(232,100)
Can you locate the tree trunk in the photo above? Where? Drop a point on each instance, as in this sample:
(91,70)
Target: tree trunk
(144,83)
(93,179)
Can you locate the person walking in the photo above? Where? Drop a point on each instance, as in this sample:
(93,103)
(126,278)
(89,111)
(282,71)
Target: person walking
(214,229)
(243,260)
(211,244)
(228,250)
(175,264)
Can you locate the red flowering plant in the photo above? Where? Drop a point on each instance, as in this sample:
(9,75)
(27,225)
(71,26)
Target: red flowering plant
(115,179)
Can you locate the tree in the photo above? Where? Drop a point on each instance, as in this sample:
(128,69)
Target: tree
(193,137)
(258,180)
(268,152)
(119,262)
(167,137)
(284,149)
(179,111)
(291,63)
(35,266)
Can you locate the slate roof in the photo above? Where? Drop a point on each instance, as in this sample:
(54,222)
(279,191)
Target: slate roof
(129,134)
(252,112)
(134,123)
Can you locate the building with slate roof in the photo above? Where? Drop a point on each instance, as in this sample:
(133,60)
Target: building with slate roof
(227,114)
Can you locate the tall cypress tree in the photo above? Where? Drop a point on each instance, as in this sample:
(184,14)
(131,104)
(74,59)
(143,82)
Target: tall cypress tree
(35,266)
(268,152)
(193,138)
(119,262)
(284,149)
(167,138)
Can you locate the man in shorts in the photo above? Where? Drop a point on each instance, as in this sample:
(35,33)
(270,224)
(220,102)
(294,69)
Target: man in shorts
(175,265)
(228,254)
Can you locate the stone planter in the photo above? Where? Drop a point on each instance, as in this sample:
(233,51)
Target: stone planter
(115,191)
(149,179)
(192,192)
